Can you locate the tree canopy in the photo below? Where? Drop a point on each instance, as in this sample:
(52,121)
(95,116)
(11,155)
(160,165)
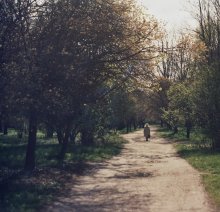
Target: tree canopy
(65,58)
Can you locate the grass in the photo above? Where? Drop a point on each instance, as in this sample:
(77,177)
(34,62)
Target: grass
(28,192)
(23,196)
(198,152)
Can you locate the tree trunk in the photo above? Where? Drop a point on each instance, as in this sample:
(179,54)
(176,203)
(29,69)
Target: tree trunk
(216,144)
(59,136)
(1,125)
(65,139)
(188,132)
(135,125)
(87,137)
(63,148)
(161,123)
(32,136)
(73,137)
(175,130)
(188,126)
(20,134)
(5,128)
(49,131)
(169,127)
(5,121)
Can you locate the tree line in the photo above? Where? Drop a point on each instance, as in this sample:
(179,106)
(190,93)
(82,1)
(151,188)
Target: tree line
(188,75)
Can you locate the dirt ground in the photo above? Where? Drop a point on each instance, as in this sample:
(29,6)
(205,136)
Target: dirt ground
(146,176)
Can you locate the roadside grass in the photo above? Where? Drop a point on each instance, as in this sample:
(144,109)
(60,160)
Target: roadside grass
(21,191)
(198,152)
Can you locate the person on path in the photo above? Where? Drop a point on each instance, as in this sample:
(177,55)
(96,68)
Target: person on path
(146,131)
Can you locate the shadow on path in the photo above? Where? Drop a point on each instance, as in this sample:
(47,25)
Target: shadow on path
(146,176)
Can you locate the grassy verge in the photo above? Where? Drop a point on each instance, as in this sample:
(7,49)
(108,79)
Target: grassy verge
(197,151)
(28,192)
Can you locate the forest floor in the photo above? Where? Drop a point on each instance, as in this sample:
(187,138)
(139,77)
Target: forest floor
(146,176)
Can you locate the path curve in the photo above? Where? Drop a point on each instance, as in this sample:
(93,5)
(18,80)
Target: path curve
(146,176)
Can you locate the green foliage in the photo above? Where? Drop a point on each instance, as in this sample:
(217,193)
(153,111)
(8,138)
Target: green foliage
(207,99)
(179,96)
(180,104)
(157,98)
(122,106)
(171,117)
(180,107)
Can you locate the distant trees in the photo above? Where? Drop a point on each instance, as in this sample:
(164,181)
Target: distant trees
(189,54)
(127,109)
(174,65)
(180,107)
(192,68)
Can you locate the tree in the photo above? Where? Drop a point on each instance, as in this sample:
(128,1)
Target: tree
(177,66)
(22,85)
(181,106)
(123,110)
(207,85)
(158,101)
(7,31)
(102,44)
(206,98)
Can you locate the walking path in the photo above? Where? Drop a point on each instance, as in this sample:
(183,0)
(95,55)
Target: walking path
(146,176)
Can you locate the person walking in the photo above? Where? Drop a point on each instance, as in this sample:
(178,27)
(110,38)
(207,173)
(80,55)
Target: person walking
(146,131)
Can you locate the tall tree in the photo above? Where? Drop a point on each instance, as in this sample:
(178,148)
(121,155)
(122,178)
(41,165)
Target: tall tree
(207,86)
(86,46)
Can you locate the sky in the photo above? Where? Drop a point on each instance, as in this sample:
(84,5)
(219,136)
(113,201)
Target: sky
(174,13)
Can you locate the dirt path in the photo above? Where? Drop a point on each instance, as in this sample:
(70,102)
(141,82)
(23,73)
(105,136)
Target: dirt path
(146,176)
